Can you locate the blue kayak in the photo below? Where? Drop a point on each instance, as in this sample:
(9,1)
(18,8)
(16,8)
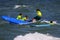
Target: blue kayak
(21,22)
(14,20)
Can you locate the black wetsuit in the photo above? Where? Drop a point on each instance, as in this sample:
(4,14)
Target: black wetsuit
(37,18)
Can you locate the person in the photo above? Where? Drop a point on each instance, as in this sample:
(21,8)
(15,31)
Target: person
(38,17)
(50,22)
(19,16)
(25,18)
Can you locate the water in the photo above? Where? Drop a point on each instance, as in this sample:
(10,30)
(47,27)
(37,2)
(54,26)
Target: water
(50,10)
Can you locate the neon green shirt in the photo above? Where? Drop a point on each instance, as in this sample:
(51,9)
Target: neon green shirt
(39,13)
(24,18)
(19,17)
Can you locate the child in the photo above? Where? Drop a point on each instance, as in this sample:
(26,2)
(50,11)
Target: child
(19,16)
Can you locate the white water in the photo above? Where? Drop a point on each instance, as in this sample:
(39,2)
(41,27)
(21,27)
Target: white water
(54,22)
(36,36)
(19,6)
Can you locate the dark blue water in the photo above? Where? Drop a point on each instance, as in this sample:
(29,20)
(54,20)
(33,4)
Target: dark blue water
(49,8)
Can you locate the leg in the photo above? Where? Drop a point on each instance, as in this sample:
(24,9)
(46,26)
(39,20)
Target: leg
(37,17)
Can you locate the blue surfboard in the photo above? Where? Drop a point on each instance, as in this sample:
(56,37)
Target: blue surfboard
(14,20)
(41,25)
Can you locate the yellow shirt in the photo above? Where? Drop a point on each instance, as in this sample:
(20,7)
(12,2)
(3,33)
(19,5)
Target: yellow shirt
(19,17)
(39,13)
(24,18)
(51,23)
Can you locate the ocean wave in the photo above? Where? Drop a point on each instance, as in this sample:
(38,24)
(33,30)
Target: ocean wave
(36,36)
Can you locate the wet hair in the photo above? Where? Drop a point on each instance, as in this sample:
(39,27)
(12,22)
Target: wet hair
(20,13)
(26,16)
(37,10)
(51,21)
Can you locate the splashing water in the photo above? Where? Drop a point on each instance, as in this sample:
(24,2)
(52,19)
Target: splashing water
(36,36)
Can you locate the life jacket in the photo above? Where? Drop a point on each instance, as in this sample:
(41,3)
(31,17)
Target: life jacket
(39,13)
(19,17)
(24,18)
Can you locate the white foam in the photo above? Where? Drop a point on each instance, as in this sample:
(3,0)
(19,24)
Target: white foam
(54,22)
(36,36)
(19,6)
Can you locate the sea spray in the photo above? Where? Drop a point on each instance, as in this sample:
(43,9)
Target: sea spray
(36,36)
